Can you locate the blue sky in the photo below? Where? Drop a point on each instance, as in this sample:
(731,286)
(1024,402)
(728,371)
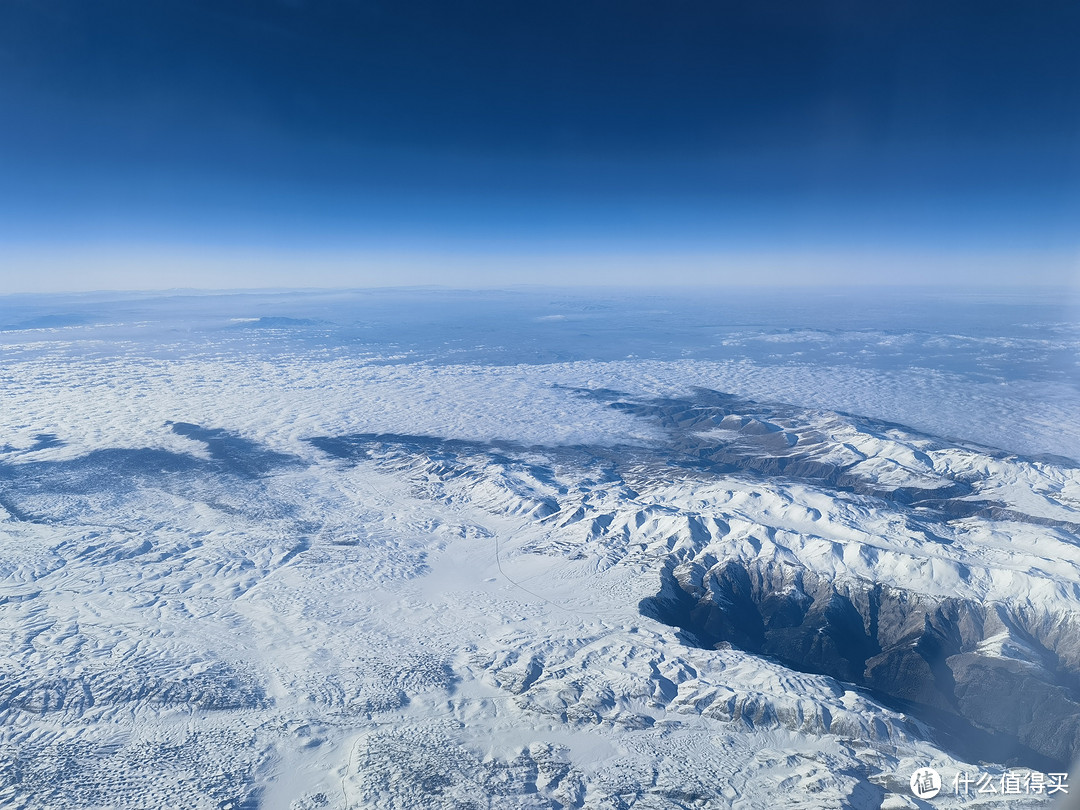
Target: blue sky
(241,144)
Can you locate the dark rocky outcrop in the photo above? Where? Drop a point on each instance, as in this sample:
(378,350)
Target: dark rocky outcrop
(999,683)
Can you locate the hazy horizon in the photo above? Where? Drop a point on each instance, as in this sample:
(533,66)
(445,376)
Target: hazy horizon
(148,269)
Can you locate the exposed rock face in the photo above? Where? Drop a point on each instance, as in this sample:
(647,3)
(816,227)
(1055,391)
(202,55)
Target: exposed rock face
(958,664)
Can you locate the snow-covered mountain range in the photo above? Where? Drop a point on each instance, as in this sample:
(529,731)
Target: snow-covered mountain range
(250,557)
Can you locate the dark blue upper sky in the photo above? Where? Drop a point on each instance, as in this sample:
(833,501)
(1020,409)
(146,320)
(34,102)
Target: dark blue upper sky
(586,128)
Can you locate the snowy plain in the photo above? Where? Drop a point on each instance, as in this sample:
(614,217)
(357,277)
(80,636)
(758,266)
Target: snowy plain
(430,548)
